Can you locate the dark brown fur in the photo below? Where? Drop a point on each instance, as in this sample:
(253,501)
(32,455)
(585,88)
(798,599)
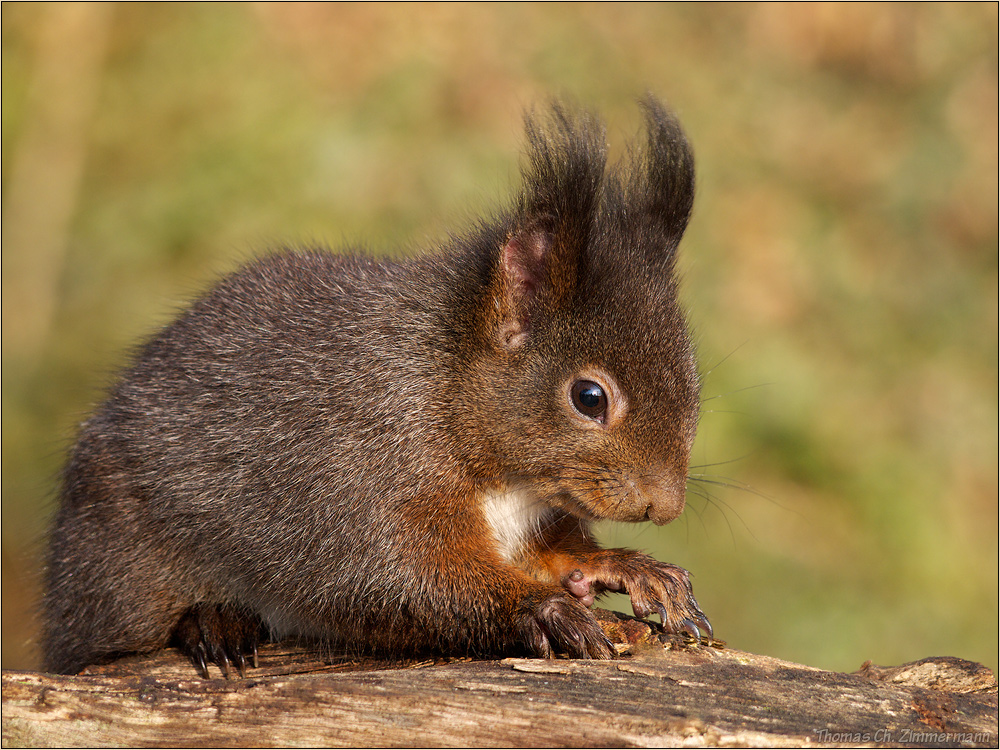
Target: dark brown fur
(309,446)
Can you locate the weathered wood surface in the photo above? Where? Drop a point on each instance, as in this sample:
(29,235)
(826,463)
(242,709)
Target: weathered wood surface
(658,695)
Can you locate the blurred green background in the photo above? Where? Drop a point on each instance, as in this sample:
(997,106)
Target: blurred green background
(840,268)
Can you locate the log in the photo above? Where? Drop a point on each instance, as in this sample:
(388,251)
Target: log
(661,691)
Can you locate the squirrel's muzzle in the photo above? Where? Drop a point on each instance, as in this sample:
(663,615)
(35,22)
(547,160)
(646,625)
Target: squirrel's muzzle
(663,496)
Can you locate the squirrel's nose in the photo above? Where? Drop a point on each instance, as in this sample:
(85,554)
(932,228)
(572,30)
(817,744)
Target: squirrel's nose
(664,495)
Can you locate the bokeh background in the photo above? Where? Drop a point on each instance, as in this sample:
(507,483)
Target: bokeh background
(840,268)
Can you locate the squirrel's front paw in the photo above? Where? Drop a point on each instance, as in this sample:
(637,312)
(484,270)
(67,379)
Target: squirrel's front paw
(219,633)
(558,622)
(653,587)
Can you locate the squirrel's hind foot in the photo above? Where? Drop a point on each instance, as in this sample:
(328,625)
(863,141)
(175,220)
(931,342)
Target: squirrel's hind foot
(219,633)
(559,622)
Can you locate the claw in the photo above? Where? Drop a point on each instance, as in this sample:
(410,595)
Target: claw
(199,656)
(689,627)
(224,664)
(664,620)
(542,647)
(241,663)
(705,625)
(254,660)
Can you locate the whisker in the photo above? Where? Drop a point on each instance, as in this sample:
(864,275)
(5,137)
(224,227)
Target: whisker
(718,504)
(718,364)
(734,484)
(738,390)
(719,463)
(687,518)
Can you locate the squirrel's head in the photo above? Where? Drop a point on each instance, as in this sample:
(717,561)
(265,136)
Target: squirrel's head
(582,376)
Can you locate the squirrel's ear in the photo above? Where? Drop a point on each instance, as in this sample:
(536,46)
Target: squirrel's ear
(540,262)
(524,270)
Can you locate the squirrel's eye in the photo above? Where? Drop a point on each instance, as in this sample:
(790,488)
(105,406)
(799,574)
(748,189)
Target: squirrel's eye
(589,399)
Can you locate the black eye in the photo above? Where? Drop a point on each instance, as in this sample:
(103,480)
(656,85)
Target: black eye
(589,399)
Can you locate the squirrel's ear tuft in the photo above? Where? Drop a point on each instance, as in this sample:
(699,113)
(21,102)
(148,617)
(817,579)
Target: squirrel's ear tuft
(659,187)
(563,172)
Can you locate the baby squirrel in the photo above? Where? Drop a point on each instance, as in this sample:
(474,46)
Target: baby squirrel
(402,456)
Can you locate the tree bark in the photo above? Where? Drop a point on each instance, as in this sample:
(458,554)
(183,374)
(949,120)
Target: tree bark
(663,691)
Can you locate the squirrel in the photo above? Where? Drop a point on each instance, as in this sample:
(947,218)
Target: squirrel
(402,455)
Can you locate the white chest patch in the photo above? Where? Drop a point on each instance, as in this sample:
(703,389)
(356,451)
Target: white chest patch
(514,516)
